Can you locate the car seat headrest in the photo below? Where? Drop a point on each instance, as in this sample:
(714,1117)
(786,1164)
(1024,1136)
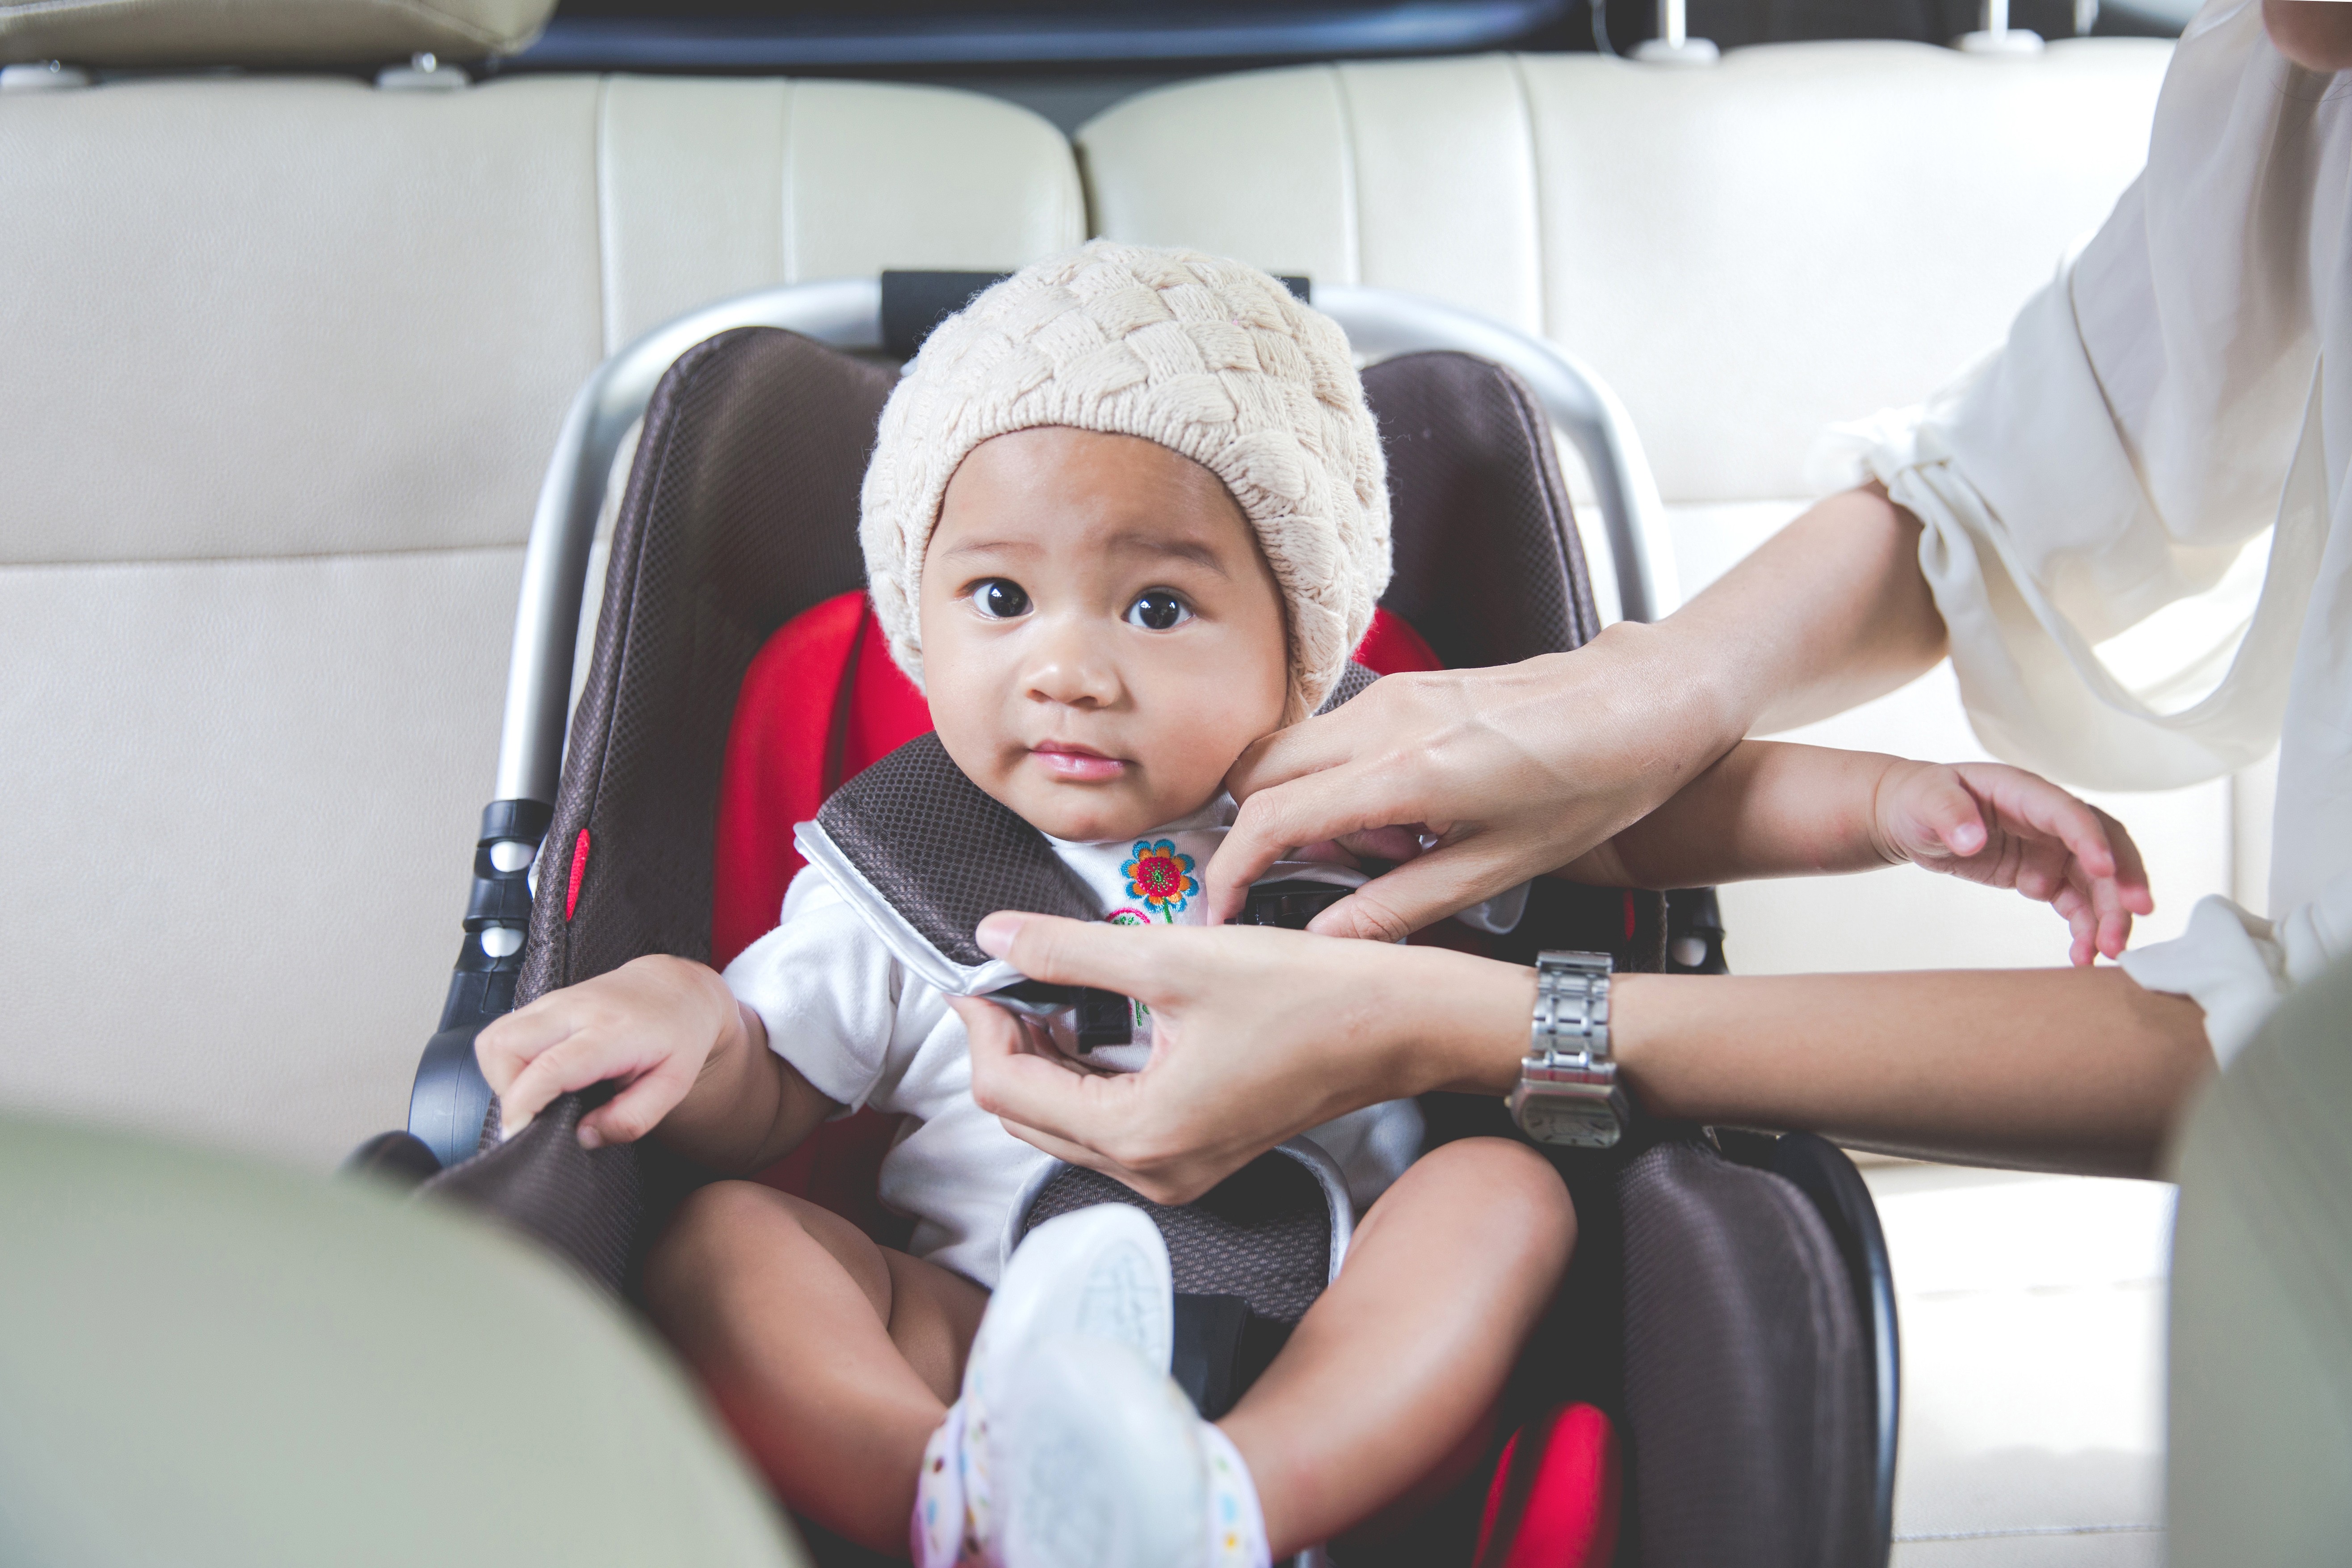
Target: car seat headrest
(264,32)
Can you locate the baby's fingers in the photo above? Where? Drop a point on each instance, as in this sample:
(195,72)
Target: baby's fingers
(637,1110)
(2074,903)
(1949,816)
(505,1046)
(2033,801)
(577,1061)
(2131,873)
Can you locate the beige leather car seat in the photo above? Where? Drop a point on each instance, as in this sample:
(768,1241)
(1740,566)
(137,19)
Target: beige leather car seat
(284,358)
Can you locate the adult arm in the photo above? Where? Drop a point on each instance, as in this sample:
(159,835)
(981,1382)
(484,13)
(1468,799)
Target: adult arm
(1261,1034)
(1521,769)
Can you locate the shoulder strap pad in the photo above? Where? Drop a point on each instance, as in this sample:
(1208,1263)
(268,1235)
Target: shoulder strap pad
(1352,682)
(925,852)
(913,836)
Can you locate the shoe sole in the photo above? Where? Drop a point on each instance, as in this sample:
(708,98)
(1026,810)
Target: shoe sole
(1100,1464)
(1098,1273)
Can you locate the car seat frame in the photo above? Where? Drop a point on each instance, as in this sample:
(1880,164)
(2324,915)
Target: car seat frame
(449,1099)
(450,1106)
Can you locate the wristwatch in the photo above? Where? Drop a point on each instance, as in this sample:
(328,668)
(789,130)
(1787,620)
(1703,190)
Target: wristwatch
(1568,1090)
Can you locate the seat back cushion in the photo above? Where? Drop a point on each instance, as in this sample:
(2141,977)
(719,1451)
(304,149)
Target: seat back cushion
(1748,1371)
(1798,234)
(286,357)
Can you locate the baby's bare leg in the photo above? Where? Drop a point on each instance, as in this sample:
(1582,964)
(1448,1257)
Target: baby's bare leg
(832,1358)
(1394,1370)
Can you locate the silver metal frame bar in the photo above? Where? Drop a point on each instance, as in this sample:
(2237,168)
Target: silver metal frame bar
(846,314)
(1381,322)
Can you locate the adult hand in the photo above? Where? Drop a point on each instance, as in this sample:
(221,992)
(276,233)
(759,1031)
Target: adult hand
(1520,770)
(1513,772)
(1257,1034)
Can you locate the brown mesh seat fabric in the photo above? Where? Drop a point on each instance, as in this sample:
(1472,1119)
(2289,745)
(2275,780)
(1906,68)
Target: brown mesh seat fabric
(1264,1234)
(1747,1387)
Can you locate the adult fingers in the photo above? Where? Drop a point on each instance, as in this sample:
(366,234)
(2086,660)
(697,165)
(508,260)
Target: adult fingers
(1394,845)
(1308,746)
(1340,801)
(1392,906)
(1027,1088)
(1064,951)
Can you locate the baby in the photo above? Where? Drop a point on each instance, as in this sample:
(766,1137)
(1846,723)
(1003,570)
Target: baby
(1126,515)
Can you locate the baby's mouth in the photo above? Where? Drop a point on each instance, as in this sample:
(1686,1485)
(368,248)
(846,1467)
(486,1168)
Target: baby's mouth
(1072,763)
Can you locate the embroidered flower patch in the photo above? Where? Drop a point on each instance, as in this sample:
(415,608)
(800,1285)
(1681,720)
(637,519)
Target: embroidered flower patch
(1159,879)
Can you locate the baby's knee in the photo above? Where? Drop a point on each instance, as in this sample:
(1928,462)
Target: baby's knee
(718,1210)
(1514,1190)
(710,1229)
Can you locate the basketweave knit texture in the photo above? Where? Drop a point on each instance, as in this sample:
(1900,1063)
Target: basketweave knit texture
(1209,358)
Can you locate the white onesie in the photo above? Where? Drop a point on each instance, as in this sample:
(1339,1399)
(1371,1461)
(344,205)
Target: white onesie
(845,1012)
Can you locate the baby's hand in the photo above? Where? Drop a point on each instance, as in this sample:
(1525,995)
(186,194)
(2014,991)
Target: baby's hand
(652,1024)
(2008,828)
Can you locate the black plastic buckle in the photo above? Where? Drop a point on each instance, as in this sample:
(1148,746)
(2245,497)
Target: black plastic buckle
(1104,1017)
(1290,904)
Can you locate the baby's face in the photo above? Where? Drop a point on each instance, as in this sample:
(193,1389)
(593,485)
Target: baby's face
(1101,637)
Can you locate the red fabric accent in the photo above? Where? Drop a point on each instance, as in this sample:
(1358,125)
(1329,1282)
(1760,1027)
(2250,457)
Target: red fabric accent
(579,869)
(1631,914)
(885,711)
(1556,1494)
(1393,648)
(774,776)
(820,703)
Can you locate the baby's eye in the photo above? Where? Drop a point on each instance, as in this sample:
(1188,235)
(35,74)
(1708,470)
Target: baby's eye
(1158,611)
(1000,598)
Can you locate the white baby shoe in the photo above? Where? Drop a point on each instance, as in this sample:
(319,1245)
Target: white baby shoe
(1097,1460)
(1099,1275)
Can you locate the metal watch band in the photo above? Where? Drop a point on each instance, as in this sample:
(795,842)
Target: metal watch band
(1568,1090)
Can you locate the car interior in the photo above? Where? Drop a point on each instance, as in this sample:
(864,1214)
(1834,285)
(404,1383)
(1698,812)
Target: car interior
(334,329)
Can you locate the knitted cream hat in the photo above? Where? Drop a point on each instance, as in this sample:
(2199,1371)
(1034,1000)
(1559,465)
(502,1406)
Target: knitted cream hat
(1208,357)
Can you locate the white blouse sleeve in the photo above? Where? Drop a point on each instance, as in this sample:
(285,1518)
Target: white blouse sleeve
(2135,433)
(2239,967)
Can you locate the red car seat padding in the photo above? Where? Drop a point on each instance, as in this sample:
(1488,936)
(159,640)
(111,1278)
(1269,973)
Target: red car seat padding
(1555,1495)
(820,703)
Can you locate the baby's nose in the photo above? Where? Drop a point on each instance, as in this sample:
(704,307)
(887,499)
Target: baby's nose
(1074,668)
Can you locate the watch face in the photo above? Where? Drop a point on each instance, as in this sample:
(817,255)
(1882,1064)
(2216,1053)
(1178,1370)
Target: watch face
(1579,1123)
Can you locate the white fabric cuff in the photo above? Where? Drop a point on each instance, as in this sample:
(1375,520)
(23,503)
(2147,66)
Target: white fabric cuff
(2238,966)
(2228,962)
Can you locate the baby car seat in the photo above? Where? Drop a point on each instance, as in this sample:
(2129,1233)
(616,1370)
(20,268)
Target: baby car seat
(1727,1310)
